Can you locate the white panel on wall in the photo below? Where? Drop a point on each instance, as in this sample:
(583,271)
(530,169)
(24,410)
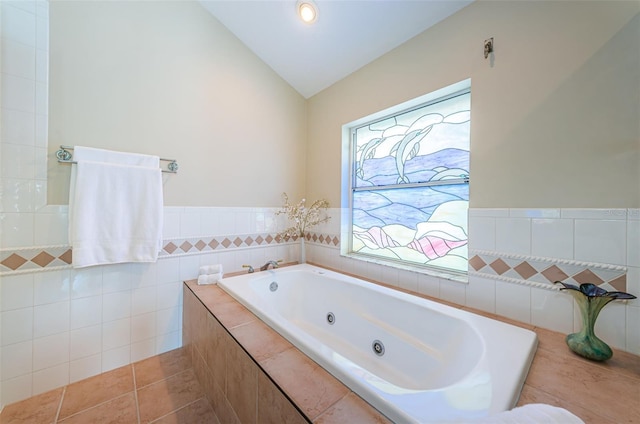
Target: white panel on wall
(143,327)
(633,330)
(18,127)
(86,311)
(513,235)
(116,334)
(18,59)
(51,318)
(18,93)
(50,287)
(116,358)
(18,24)
(171,223)
(143,300)
(513,301)
(452,291)
(190,223)
(82,368)
(482,233)
(633,242)
(602,241)
(86,282)
(16,229)
(50,351)
(50,378)
(429,285)
(17,360)
(17,326)
(15,389)
(117,278)
(16,291)
(552,238)
(143,349)
(481,294)
(85,342)
(17,195)
(552,310)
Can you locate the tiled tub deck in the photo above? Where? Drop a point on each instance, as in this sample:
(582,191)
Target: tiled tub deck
(251,374)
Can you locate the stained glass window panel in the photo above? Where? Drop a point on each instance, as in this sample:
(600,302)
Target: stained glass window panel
(410,192)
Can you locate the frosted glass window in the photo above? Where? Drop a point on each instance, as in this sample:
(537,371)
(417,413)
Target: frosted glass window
(410,185)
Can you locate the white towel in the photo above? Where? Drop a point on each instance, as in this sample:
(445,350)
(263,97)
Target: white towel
(210,269)
(115,207)
(535,413)
(209,278)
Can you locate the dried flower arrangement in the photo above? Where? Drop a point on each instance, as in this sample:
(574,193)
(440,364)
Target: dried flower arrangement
(302,217)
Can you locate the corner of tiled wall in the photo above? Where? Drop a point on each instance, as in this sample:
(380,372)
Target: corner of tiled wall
(516,254)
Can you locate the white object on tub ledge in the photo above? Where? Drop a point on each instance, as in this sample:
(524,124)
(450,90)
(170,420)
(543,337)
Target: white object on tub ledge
(210,274)
(413,359)
(535,413)
(210,269)
(209,278)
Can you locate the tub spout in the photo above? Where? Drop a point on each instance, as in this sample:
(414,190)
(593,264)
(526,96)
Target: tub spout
(274,264)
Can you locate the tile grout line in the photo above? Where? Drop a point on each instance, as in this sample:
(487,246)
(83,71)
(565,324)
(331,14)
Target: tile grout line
(135,392)
(181,408)
(64,390)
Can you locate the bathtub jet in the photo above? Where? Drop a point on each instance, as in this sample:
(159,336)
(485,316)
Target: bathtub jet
(414,360)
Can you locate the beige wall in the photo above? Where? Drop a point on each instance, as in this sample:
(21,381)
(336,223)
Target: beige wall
(555,112)
(166,78)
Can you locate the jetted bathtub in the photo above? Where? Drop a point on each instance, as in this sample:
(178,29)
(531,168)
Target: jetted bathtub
(414,360)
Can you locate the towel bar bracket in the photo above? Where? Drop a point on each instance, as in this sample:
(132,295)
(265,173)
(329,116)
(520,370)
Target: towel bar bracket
(173,166)
(63,155)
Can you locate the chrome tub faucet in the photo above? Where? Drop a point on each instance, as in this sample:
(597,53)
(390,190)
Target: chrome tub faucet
(274,265)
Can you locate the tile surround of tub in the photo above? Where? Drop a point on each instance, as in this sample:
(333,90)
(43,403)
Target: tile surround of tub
(522,288)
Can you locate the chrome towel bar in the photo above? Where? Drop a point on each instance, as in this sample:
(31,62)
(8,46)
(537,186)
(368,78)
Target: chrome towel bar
(65,156)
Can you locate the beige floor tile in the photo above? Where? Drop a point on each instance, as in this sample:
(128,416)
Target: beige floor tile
(96,390)
(121,410)
(198,412)
(40,409)
(159,399)
(162,366)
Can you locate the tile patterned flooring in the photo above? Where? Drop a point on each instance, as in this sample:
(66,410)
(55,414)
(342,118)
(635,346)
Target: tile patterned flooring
(161,390)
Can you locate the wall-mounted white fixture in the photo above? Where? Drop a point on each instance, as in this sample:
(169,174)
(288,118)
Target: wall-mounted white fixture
(488,47)
(307,10)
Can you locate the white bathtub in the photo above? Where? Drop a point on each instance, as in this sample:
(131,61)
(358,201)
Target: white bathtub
(439,363)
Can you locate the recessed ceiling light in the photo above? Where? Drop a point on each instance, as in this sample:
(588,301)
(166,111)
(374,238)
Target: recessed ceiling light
(307,10)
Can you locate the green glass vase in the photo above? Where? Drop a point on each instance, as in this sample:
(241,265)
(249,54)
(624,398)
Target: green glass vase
(585,342)
(591,299)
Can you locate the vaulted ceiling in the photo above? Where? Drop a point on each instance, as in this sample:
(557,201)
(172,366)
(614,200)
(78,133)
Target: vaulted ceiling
(347,35)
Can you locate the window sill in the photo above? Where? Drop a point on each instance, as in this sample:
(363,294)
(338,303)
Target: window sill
(433,272)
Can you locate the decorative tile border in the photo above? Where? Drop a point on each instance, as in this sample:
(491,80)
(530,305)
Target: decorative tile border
(543,272)
(33,259)
(50,258)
